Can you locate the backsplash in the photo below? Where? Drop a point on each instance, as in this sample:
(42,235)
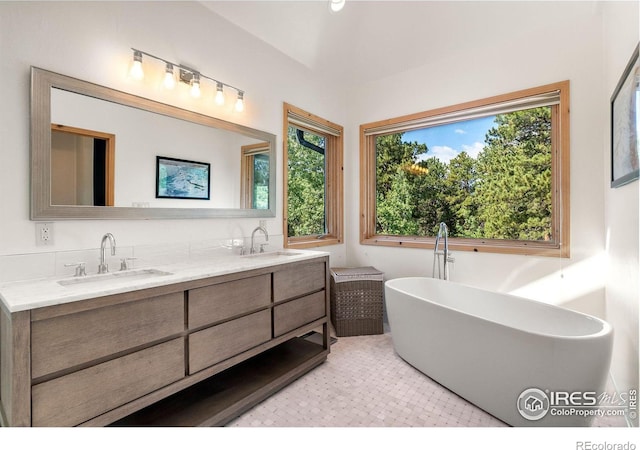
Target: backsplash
(20,267)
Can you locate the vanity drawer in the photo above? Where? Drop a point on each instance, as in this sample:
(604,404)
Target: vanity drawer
(298,280)
(215,344)
(66,341)
(218,302)
(293,314)
(80,396)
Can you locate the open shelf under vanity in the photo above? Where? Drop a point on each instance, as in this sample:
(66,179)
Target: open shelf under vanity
(222,397)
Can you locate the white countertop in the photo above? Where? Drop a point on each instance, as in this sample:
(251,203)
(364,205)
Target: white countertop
(30,294)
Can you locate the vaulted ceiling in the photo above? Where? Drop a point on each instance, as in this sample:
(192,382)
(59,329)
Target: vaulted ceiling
(371,40)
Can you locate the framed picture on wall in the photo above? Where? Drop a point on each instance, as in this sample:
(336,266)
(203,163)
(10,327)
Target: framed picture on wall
(179,178)
(625,120)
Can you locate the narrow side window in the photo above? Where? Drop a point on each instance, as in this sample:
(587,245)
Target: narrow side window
(313,180)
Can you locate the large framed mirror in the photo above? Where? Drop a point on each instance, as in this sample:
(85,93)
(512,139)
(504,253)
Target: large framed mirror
(96,152)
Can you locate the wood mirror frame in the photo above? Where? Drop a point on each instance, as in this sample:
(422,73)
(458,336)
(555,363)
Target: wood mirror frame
(42,81)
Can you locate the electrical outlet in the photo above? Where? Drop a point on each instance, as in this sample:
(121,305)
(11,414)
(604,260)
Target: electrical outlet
(263,223)
(44,233)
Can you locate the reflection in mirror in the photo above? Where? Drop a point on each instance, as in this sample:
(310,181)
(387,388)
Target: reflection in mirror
(255,176)
(94,153)
(81,166)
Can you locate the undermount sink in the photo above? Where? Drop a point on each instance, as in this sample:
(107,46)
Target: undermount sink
(274,254)
(125,275)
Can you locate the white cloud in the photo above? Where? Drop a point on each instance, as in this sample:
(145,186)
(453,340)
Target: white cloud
(474,149)
(443,153)
(459,131)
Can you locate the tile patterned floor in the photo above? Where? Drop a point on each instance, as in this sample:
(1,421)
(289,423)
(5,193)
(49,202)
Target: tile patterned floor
(365,384)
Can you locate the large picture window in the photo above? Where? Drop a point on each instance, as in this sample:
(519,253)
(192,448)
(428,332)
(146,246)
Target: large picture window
(496,171)
(313,213)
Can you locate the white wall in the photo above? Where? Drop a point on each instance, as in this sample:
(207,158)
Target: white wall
(541,43)
(92,41)
(621,35)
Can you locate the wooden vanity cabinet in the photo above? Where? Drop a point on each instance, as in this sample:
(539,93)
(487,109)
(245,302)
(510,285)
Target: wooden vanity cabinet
(194,353)
(63,342)
(218,302)
(298,294)
(293,314)
(215,344)
(75,398)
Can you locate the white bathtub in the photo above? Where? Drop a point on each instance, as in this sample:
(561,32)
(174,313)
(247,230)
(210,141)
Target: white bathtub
(508,355)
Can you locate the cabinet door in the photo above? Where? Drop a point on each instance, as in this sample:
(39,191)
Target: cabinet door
(80,396)
(222,301)
(298,280)
(291,315)
(63,342)
(215,344)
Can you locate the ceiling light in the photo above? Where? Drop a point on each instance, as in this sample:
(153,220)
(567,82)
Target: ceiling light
(336,5)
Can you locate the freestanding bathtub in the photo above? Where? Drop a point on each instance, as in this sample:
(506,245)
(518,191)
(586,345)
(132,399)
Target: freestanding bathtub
(525,362)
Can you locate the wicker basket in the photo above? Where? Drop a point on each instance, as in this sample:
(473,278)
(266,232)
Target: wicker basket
(356,301)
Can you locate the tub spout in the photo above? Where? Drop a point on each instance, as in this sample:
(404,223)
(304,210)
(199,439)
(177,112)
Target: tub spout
(443,234)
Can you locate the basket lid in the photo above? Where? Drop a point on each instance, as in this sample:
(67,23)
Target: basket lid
(342,274)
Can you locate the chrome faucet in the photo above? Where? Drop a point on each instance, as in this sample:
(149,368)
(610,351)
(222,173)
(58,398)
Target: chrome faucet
(253,235)
(103,267)
(443,233)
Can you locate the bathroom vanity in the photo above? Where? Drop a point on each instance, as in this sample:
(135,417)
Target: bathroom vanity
(183,346)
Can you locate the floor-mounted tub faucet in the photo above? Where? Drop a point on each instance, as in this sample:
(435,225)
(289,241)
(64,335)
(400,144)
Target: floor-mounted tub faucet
(443,233)
(103,267)
(253,235)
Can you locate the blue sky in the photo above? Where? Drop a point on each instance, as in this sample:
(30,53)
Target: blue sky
(445,142)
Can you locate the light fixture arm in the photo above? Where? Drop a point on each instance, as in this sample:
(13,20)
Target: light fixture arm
(186,74)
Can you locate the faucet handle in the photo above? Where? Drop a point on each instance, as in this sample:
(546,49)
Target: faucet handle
(124,265)
(262,246)
(81,269)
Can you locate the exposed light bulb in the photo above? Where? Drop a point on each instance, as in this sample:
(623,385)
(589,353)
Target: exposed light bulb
(169,80)
(336,5)
(219,94)
(240,102)
(195,85)
(136,71)
(184,75)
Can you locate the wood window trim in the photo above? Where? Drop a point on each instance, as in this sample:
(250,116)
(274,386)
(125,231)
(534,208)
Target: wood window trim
(334,182)
(110,155)
(247,154)
(559,185)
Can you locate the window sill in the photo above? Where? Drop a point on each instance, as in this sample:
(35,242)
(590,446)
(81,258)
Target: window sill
(311,241)
(473,245)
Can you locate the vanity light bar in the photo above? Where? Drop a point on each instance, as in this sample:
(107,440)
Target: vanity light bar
(186,75)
